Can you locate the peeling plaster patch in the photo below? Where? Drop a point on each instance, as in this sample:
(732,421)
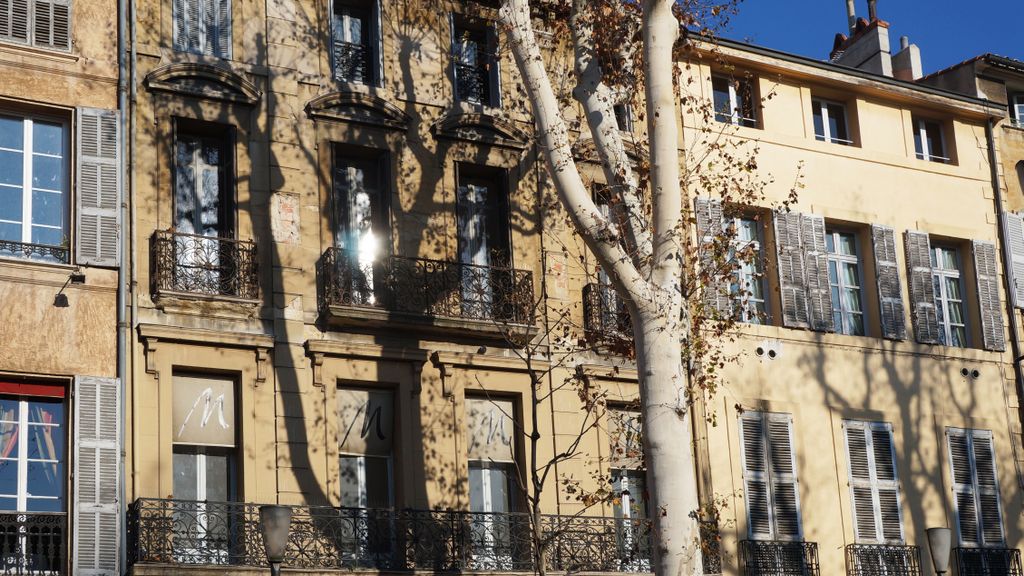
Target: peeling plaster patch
(284,218)
(557,272)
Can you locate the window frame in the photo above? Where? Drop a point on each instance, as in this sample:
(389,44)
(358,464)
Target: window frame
(206,46)
(820,109)
(373,43)
(28,120)
(737,102)
(942,299)
(227,211)
(740,274)
(1016,102)
(921,126)
(970,436)
(32,21)
(22,460)
(460,25)
(834,257)
(867,428)
(769,476)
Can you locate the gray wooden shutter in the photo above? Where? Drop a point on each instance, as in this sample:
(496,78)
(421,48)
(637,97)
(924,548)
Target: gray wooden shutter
(792,279)
(874,486)
(377,44)
(887,274)
(819,292)
(709,226)
(986,271)
(975,487)
(223,35)
(785,490)
(97,511)
(14,20)
(1013,227)
(179,14)
(922,291)
(754,461)
(51,25)
(493,69)
(98,229)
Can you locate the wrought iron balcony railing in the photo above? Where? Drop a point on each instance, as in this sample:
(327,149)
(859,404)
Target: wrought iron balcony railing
(472,83)
(883,560)
(988,562)
(605,318)
(180,532)
(33,543)
(204,265)
(41,252)
(424,287)
(777,558)
(351,62)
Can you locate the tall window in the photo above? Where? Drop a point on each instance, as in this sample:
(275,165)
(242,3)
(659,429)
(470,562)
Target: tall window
(483,237)
(359,216)
(972,460)
(1017,109)
(949,296)
(929,143)
(874,486)
(623,116)
(474,62)
(734,101)
(830,122)
(769,476)
(203,421)
(202,27)
(630,486)
(491,446)
(34,189)
(845,282)
(41,24)
(355,41)
(748,283)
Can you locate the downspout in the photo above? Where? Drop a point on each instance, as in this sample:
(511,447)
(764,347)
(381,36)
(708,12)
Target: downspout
(122,269)
(1004,243)
(133,92)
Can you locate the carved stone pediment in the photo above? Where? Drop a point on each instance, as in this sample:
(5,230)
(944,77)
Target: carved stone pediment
(359,108)
(584,149)
(481,129)
(203,81)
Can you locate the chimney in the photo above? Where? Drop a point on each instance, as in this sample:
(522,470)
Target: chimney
(872,11)
(906,64)
(851,15)
(866,49)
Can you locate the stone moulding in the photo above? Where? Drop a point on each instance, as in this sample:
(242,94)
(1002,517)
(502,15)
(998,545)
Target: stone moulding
(481,128)
(203,81)
(358,108)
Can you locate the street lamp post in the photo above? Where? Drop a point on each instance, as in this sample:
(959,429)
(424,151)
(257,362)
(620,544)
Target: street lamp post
(939,540)
(275,522)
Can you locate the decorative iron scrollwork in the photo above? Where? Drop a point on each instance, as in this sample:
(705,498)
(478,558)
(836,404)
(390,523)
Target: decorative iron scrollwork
(42,252)
(988,562)
(186,263)
(778,558)
(605,317)
(883,560)
(33,543)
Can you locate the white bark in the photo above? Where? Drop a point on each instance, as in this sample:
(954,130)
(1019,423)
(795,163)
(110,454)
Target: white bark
(655,301)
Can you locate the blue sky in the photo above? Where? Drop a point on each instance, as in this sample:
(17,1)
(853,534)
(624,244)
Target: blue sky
(946,31)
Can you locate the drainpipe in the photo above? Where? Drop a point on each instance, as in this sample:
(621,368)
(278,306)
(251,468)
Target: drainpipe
(122,268)
(133,91)
(1007,284)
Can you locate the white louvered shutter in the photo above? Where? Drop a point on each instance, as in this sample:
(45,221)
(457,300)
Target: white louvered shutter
(179,14)
(222,48)
(98,229)
(986,270)
(770,484)
(975,487)
(874,486)
(819,292)
(792,279)
(887,274)
(1013,225)
(14,20)
(51,23)
(97,511)
(709,215)
(922,291)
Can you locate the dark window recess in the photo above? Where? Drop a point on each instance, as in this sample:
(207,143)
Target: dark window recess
(474,64)
(734,101)
(355,41)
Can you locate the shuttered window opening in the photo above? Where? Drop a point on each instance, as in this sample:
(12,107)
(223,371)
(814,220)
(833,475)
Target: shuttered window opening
(770,484)
(1013,225)
(892,316)
(986,272)
(97,450)
(356,41)
(475,61)
(737,287)
(844,277)
(804,286)
(975,487)
(40,23)
(874,485)
(203,27)
(98,214)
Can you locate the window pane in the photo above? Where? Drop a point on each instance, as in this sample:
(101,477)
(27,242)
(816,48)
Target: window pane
(833,275)
(748,230)
(10,204)
(851,300)
(837,121)
(47,236)
(45,504)
(218,477)
(46,411)
(48,138)
(947,259)
(848,244)
(185,476)
(819,122)
(934,134)
(12,133)
(850,276)
(858,324)
(11,232)
(8,409)
(8,504)
(350,481)
(47,172)
(9,445)
(917,141)
(45,479)
(45,442)
(9,477)
(953,288)
(378,483)
(47,208)
(11,167)
(959,334)
(956,313)
(499,477)
(830,243)
(476,488)
(723,104)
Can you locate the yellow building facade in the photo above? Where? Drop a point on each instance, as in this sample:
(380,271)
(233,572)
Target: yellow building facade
(343,237)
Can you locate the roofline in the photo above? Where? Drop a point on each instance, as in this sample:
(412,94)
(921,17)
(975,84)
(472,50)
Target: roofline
(839,68)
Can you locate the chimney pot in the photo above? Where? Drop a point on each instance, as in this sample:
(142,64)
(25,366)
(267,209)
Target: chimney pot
(851,15)
(872,11)
(904,42)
